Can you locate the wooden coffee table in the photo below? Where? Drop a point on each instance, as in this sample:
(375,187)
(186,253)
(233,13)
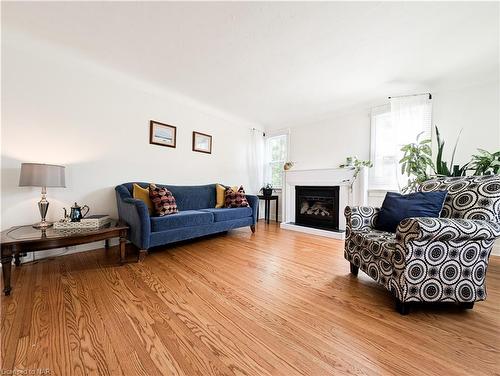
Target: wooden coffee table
(21,239)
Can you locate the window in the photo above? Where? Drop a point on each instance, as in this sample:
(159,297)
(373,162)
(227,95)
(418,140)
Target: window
(393,126)
(275,158)
(383,174)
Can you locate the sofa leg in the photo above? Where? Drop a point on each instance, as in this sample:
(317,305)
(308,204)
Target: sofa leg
(402,307)
(252,227)
(142,255)
(354,269)
(467,305)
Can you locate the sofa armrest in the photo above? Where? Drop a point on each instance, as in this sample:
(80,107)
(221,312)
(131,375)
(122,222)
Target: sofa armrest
(359,218)
(135,213)
(253,201)
(446,229)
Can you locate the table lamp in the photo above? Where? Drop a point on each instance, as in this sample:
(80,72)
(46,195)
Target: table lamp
(42,175)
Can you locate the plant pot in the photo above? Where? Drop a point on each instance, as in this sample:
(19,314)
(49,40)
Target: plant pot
(267,191)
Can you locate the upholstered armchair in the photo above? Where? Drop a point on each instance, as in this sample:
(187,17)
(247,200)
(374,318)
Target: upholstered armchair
(431,259)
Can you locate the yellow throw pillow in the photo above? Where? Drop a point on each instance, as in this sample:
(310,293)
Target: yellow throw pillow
(219,197)
(143,194)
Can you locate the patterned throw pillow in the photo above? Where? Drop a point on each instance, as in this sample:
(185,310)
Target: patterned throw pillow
(235,198)
(163,200)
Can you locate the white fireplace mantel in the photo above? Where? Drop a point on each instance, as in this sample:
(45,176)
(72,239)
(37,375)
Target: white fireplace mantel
(327,177)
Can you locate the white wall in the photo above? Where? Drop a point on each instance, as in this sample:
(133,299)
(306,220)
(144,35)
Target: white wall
(59,108)
(475,109)
(326,143)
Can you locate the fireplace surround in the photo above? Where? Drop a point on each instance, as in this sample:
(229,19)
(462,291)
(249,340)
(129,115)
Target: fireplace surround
(324,177)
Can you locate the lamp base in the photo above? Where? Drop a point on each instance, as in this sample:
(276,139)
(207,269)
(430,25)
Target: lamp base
(43,206)
(42,225)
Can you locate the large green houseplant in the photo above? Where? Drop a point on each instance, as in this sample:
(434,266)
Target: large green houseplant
(416,163)
(485,163)
(418,166)
(442,168)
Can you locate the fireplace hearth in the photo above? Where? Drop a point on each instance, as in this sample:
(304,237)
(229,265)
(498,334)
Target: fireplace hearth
(317,207)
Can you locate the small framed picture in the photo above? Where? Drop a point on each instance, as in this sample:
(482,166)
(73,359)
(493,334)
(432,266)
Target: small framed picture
(162,134)
(202,142)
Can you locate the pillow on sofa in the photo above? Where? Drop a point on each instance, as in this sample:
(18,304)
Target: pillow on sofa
(143,194)
(163,200)
(397,207)
(235,198)
(220,195)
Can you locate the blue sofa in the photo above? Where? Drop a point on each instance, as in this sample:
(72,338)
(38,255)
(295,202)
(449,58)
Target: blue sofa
(197,216)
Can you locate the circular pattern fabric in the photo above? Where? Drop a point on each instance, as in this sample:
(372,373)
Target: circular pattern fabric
(478,273)
(431,290)
(450,272)
(435,253)
(373,271)
(360,218)
(465,291)
(469,197)
(469,254)
(416,271)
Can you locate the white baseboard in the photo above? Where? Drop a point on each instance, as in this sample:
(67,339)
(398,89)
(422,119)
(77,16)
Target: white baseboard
(313,231)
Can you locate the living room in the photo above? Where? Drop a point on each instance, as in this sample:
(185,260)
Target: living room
(194,188)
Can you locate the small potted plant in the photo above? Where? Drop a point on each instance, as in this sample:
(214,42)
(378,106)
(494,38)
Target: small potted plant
(267,190)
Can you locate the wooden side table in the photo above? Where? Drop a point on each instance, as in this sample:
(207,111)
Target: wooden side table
(20,239)
(267,206)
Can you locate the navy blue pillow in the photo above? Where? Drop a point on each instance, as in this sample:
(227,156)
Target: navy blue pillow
(397,207)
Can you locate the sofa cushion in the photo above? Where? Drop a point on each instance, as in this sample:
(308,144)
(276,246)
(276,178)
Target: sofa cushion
(227,214)
(187,218)
(378,243)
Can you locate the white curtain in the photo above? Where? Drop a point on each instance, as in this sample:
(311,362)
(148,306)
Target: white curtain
(256,160)
(410,116)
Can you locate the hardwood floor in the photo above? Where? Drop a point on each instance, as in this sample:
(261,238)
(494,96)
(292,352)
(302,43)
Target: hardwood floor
(271,303)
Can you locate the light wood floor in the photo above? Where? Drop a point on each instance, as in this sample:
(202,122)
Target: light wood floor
(273,303)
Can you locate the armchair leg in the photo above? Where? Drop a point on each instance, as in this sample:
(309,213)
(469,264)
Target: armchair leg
(142,255)
(354,269)
(402,307)
(467,305)
(252,227)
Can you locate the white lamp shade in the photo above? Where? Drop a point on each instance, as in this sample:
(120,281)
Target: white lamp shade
(42,175)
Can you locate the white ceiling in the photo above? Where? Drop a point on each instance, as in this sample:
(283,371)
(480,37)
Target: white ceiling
(279,63)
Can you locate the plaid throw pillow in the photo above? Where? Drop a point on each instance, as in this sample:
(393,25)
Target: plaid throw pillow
(163,200)
(235,198)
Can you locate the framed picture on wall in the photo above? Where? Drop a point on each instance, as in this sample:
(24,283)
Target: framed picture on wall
(162,134)
(202,142)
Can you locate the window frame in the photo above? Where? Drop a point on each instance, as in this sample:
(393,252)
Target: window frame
(268,162)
